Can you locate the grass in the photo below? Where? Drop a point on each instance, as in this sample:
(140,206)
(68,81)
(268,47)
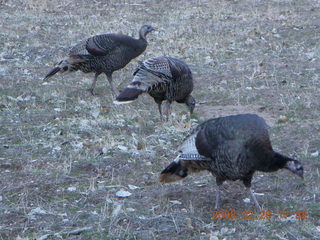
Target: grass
(68,153)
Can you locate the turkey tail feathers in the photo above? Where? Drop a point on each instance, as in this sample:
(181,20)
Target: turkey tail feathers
(51,73)
(128,95)
(67,65)
(174,172)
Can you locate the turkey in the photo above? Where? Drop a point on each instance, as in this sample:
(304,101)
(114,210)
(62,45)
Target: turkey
(231,148)
(104,53)
(164,78)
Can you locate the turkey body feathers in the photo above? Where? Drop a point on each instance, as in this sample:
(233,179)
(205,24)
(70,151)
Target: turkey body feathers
(107,52)
(236,144)
(164,78)
(231,148)
(104,53)
(102,45)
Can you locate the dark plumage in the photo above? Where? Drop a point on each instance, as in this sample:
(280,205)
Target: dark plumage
(164,78)
(104,53)
(231,148)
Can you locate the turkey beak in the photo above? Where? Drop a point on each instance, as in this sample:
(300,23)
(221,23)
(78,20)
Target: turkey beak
(153,29)
(300,174)
(295,167)
(299,171)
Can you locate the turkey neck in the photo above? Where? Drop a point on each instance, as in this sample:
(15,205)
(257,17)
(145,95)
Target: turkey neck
(271,161)
(142,36)
(141,45)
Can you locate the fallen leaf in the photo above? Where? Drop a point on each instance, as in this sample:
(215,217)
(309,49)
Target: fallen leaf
(122,193)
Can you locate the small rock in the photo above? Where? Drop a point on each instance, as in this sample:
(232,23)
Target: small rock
(44,237)
(104,149)
(189,223)
(62,215)
(83,102)
(25,98)
(71,189)
(176,202)
(289,219)
(141,145)
(1,198)
(78,145)
(80,230)
(2,106)
(3,72)
(208,60)
(212,237)
(133,187)
(95,113)
(248,88)
(105,109)
(130,209)
(315,154)
(57,109)
(20,238)
(87,144)
(123,148)
(283,82)
(283,119)
(246,200)
(122,193)
(249,41)
(36,211)
(12,99)
(57,149)
(116,210)
(259,194)
(224,230)
(310,55)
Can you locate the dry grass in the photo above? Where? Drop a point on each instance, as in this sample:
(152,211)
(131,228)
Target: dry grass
(64,153)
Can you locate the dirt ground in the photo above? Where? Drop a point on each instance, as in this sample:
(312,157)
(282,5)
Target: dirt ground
(65,155)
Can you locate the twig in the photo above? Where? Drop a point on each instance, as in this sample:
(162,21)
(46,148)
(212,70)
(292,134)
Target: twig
(202,102)
(175,224)
(80,230)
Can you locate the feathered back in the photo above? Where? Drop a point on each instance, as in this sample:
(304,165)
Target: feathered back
(188,149)
(151,73)
(233,133)
(105,44)
(235,146)
(103,53)
(161,74)
(231,148)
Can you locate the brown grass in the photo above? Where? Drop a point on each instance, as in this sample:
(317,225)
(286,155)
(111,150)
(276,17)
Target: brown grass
(64,154)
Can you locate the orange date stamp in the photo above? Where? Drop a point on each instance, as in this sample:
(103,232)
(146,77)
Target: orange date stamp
(264,214)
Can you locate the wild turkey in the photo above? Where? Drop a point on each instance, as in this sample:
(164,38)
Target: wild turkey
(104,53)
(164,78)
(231,148)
